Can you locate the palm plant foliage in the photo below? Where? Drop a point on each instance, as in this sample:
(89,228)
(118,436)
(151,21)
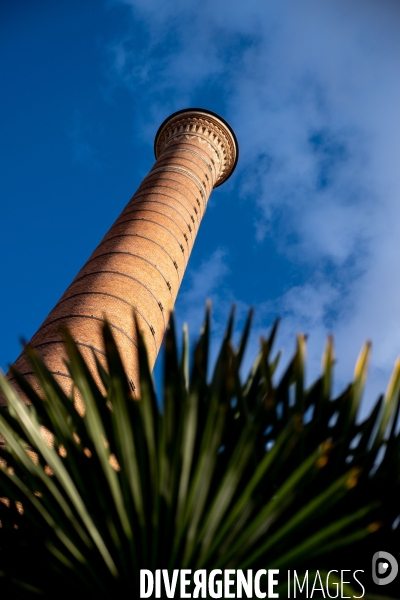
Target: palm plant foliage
(223,473)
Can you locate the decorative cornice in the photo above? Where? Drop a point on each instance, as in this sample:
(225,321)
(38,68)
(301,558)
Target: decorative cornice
(208,128)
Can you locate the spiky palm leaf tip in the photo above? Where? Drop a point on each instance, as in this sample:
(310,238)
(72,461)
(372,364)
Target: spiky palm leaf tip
(223,473)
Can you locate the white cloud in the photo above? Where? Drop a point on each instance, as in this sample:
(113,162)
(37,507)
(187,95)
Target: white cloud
(205,282)
(313,91)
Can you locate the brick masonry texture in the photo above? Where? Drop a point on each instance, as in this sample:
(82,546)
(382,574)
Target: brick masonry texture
(139,265)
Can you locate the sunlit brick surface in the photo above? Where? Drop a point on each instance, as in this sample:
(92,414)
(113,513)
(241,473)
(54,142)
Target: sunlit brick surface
(139,264)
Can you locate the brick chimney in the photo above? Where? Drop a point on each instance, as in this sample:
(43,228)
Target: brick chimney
(141,261)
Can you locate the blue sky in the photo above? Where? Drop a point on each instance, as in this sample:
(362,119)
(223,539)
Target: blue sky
(306,228)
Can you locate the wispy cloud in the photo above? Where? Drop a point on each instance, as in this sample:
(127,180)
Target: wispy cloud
(312,89)
(208,281)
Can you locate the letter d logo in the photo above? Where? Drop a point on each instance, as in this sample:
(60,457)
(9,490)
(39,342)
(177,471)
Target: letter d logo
(380,566)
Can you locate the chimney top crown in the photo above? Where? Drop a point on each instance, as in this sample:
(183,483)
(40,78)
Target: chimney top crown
(207,126)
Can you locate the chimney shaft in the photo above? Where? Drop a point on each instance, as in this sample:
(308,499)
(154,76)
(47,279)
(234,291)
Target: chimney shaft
(141,261)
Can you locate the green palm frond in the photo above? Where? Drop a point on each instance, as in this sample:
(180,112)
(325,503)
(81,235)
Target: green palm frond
(220,474)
